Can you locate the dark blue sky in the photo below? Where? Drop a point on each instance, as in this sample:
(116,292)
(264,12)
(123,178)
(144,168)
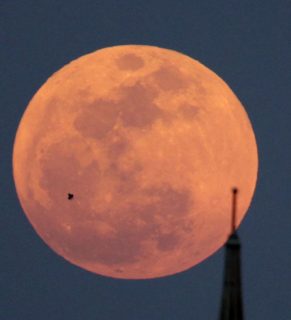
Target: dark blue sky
(248,44)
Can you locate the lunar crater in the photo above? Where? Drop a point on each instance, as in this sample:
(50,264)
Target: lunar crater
(170,78)
(189,111)
(130,61)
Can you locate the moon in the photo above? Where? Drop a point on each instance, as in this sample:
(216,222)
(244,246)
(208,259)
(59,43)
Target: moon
(125,158)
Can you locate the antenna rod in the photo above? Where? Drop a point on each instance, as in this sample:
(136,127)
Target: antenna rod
(233,220)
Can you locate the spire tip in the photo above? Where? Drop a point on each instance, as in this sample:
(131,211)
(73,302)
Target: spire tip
(234,190)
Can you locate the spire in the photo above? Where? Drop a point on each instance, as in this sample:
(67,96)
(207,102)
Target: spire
(233,216)
(231,304)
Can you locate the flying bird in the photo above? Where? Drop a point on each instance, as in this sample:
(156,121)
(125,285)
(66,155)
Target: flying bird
(70,196)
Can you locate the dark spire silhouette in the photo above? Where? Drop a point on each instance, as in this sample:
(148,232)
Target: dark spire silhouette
(231,304)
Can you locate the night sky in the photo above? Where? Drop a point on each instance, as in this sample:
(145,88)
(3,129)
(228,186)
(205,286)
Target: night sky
(247,43)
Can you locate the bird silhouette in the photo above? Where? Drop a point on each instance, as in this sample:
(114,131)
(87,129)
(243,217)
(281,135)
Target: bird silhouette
(70,196)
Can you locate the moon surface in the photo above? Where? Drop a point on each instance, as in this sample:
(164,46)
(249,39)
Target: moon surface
(125,158)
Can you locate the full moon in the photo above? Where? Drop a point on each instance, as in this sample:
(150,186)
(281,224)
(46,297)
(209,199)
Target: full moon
(125,158)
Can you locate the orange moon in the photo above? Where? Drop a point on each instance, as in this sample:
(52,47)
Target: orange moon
(147,143)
